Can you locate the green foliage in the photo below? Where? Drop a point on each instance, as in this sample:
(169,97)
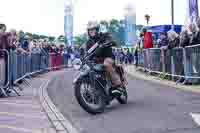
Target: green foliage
(43,37)
(104,22)
(80,39)
(36,37)
(61,38)
(29,34)
(52,38)
(115,27)
(117,30)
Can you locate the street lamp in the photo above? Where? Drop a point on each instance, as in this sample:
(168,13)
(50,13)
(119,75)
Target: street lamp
(147,18)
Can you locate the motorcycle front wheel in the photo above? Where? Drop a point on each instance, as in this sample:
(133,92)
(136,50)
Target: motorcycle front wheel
(92,100)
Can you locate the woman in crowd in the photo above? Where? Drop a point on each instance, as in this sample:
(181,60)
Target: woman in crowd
(163,41)
(173,38)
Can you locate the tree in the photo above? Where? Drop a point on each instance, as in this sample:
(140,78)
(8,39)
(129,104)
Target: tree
(30,35)
(114,25)
(80,39)
(51,38)
(43,37)
(36,37)
(116,28)
(147,18)
(61,38)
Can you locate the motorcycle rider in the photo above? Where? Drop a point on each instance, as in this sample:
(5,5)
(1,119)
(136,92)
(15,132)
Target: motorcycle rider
(104,55)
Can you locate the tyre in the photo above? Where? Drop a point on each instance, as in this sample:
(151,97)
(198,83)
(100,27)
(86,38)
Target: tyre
(123,99)
(90,99)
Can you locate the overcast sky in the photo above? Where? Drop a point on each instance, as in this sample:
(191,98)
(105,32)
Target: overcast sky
(47,16)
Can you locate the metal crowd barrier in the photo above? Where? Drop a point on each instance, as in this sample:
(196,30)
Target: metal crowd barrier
(35,63)
(176,63)
(140,58)
(15,67)
(4,71)
(192,63)
(166,61)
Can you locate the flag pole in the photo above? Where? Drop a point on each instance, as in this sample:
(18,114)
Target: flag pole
(172,14)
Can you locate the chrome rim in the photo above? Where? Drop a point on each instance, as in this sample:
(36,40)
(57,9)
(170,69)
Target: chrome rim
(90,95)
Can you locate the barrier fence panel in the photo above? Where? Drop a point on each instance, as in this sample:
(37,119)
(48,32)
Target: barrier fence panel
(146,59)
(35,62)
(154,59)
(23,65)
(58,60)
(177,62)
(19,65)
(192,67)
(53,60)
(177,56)
(140,58)
(14,66)
(3,71)
(166,61)
(65,59)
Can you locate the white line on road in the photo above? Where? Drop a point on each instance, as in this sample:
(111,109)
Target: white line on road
(24,115)
(196,118)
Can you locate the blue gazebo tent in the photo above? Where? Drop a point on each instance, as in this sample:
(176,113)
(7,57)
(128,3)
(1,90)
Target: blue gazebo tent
(164,28)
(157,29)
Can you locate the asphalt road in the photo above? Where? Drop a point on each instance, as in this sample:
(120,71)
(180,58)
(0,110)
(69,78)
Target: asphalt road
(152,108)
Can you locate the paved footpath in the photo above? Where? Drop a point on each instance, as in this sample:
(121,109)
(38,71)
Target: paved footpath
(152,108)
(24,114)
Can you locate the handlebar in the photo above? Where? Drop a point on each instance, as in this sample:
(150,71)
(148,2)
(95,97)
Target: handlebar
(107,44)
(104,45)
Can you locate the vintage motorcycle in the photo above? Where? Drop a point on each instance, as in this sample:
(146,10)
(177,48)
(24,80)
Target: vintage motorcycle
(92,86)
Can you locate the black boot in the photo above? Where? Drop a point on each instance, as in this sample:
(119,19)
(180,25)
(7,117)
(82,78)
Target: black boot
(116,91)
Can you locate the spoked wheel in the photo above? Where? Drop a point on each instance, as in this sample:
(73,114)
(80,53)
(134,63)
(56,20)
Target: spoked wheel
(90,99)
(123,99)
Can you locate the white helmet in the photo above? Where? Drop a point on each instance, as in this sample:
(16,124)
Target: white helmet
(92,25)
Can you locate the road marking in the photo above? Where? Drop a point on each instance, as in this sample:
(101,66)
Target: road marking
(20,102)
(196,118)
(25,101)
(19,129)
(25,105)
(22,115)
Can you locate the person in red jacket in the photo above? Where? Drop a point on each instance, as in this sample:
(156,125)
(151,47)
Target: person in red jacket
(148,40)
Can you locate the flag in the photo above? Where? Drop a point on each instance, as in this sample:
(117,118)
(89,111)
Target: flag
(193,10)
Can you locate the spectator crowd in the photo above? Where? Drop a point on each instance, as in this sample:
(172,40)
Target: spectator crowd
(172,41)
(190,35)
(24,44)
(39,53)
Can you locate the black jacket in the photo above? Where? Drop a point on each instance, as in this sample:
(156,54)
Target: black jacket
(195,38)
(174,43)
(101,52)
